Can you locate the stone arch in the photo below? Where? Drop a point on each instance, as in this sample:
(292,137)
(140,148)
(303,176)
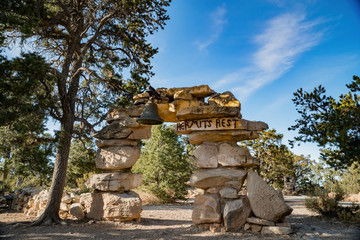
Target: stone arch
(216,125)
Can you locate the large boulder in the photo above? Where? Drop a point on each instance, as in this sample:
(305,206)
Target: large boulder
(117,157)
(206,209)
(233,155)
(226,99)
(121,206)
(206,156)
(77,210)
(264,200)
(236,212)
(113,131)
(119,130)
(116,181)
(219,177)
(112,206)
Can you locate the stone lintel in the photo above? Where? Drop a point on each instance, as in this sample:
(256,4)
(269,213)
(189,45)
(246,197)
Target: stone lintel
(217,124)
(222,136)
(210,124)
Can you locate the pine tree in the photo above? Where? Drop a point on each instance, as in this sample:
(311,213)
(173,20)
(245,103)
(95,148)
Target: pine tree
(164,164)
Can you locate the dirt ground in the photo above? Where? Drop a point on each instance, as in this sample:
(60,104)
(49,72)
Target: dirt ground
(174,222)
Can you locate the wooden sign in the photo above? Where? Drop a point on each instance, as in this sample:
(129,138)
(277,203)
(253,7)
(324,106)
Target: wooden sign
(211,124)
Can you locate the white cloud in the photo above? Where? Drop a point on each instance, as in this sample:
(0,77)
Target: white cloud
(280,44)
(218,21)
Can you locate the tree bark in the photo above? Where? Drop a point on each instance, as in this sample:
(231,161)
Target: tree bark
(6,169)
(51,213)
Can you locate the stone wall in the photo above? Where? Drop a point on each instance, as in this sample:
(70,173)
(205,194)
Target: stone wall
(33,201)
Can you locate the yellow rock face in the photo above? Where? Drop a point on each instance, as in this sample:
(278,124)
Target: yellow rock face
(226,99)
(166,113)
(141,95)
(203,112)
(197,91)
(178,105)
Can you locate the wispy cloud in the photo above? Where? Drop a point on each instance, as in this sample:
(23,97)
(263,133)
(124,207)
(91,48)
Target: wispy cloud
(280,44)
(217,21)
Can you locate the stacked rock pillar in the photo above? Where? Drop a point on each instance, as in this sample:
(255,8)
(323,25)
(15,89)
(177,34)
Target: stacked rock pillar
(118,152)
(223,167)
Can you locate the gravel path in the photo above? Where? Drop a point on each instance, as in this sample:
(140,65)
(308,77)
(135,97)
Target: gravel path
(174,222)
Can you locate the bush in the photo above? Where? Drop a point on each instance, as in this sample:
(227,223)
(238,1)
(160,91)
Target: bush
(323,202)
(326,203)
(5,186)
(349,213)
(350,181)
(80,182)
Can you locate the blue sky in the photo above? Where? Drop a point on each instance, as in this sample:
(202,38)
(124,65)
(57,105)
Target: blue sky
(262,51)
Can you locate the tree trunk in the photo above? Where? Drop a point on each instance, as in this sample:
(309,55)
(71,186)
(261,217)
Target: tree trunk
(6,170)
(6,164)
(51,213)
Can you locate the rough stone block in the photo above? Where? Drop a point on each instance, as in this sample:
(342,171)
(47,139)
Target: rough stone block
(222,136)
(141,96)
(255,228)
(206,156)
(226,99)
(121,206)
(264,200)
(219,177)
(196,91)
(228,192)
(232,155)
(117,157)
(116,181)
(77,210)
(117,114)
(113,131)
(112,206)
(236,212)
(207,112)
(166,113)
(136,110)
(206,209)
(256,126)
